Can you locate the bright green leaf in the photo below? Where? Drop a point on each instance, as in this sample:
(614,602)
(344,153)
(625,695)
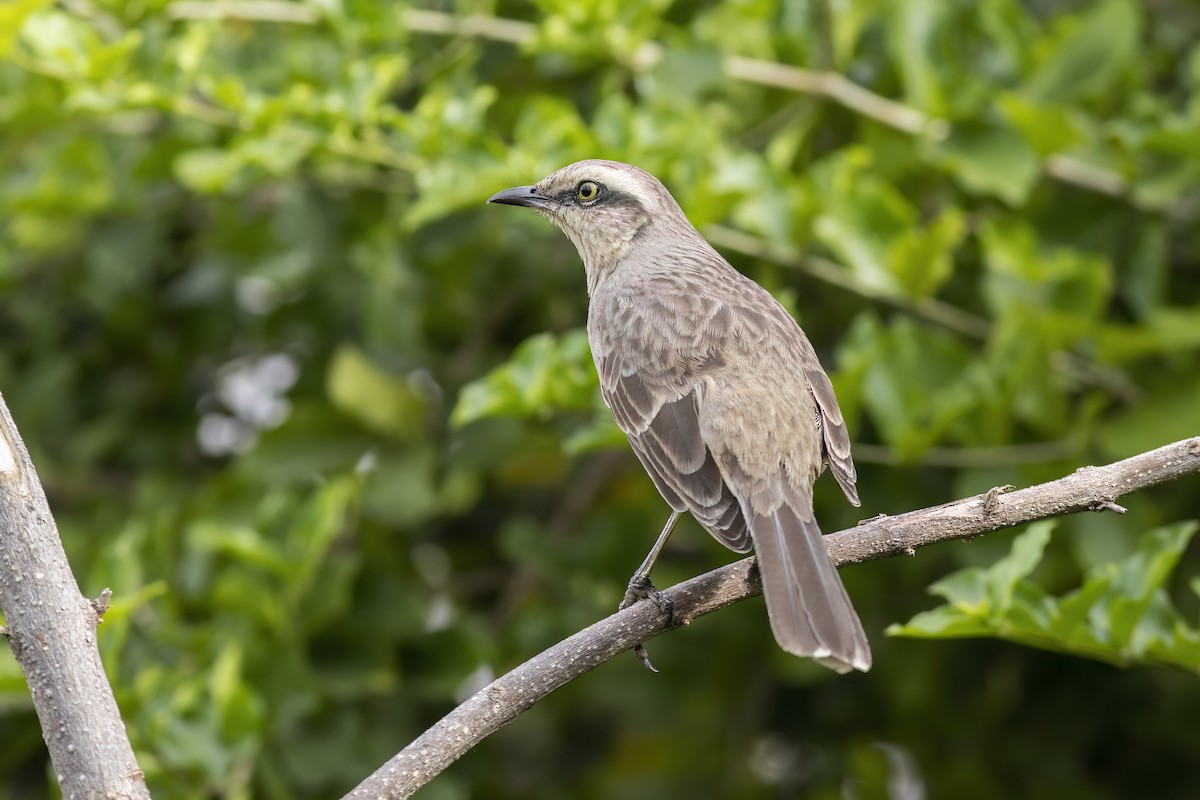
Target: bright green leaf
(988,159)
(941,623)
(1121,615)
(545,374)
(922,259)
(208,171)
(1019,563)
(381,401)
(1049,129)
(966,590)
(1088,54)
(911,32)
(12,17)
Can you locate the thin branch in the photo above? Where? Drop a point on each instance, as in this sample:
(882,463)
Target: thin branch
(250,10)
(1086,176)
(473,26)
(839,89)
(52,632)
(1087,489)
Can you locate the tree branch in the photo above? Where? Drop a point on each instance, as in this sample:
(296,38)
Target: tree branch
(1087,489)
(51,628)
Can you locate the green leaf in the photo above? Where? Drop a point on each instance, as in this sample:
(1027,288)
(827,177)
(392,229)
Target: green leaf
(547,373)
(1026,553)
(1088,54)
(208,170)
(862,214)
(1165,331)
(922,259)
(1121,615)
(53,35)
(602,434)
(1141,577)
(380,401)
(1072,619)
(685,76)
(906,359)
(987,159)
(911,37)
(1048,129)
(1173,414)
(941,623)
(12,17)
(1067,288)
(966,590)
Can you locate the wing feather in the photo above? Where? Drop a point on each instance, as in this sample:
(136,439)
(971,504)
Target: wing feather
(833,430)
(663,426)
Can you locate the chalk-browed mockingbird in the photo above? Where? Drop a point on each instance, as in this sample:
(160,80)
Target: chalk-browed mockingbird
(719,391)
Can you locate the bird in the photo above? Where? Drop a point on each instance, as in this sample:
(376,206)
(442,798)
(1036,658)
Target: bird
(719,392)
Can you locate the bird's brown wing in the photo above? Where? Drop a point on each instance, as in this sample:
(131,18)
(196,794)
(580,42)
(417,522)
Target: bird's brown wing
(658,412)
(833,432)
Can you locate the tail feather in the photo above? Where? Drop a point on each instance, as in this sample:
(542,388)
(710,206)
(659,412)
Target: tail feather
(811,614)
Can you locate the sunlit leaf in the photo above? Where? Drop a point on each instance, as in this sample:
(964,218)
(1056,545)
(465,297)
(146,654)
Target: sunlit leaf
(379,400)
(1087,55)
(1122,614)
(988,159)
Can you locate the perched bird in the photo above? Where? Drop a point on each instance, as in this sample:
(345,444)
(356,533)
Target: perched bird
(719,391)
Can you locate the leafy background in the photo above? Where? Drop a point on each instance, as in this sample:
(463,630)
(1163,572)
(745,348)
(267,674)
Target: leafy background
(328,428)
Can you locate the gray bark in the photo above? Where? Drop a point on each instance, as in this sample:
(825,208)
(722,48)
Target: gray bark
(51,628)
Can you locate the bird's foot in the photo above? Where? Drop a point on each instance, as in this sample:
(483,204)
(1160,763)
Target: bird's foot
(640,588)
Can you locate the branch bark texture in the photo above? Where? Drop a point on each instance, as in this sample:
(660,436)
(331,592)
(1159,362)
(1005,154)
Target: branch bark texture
(1087,489)
(51,628)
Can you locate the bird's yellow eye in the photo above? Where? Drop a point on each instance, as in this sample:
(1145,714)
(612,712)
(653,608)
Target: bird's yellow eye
(587,191)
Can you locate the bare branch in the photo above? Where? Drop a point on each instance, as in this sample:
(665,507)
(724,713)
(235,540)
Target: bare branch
(51,628)
(1087,489)
(250,10)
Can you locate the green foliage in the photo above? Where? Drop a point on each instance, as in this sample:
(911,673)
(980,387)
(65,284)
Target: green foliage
(1122,613)
(545,373)
(329,429)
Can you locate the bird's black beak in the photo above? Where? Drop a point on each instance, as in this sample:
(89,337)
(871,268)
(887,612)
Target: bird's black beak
(527,196)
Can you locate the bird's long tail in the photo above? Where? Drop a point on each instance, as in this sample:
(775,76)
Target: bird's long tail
(811,614)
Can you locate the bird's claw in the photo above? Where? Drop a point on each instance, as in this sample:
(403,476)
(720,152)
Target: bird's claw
(640,651)
(640,588)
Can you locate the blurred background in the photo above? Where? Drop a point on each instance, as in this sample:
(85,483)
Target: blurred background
(328,426)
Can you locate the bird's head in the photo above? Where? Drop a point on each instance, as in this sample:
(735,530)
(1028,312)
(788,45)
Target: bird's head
(602,207)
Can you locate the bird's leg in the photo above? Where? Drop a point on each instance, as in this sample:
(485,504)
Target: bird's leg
(640,587)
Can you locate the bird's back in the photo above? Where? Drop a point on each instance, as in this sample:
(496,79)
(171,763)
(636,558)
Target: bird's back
(683,320)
